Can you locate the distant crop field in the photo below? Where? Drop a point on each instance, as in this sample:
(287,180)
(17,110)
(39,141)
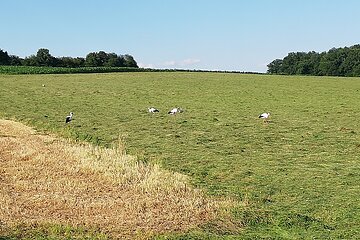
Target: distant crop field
(298,174)
(63,70)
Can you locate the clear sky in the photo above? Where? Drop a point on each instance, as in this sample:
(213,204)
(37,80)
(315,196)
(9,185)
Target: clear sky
(242,35)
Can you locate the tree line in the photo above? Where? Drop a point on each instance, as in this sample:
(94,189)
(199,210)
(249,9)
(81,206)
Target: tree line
(335,62)
(43,58)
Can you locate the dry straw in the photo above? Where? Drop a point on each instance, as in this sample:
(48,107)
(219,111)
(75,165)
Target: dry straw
(49,180)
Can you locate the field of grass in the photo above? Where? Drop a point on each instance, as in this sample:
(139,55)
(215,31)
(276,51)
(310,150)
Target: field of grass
(298,175)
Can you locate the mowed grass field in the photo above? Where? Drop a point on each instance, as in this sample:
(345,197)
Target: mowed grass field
(297,177)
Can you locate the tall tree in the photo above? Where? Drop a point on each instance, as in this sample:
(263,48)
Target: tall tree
(114,60)
(130,61)
(91,60)
(102,58)
(44,58)
(30,61)
(96,59)
(70,62)
(15,60)
(275,67)
(4,58)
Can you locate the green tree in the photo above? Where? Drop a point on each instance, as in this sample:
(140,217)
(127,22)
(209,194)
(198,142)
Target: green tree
(102,58)
(275,67)
(351,62)
(330,63)
(308,63)
(90,60)
(114,60)
(70,62)
(4,58)
(44,58)
(30,61)
(290,62)
(93,59)
(314,61)
(96,59)
(16,61)
(130,61)
(335,62)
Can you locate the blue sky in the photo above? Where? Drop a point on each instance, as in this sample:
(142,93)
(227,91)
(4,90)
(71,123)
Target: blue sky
(242,35)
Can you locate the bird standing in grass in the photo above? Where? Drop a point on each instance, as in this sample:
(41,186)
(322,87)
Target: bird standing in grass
(69,117)
(265,116)
(175,110)
(152,110)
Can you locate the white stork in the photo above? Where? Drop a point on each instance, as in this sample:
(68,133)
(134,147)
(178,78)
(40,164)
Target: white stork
(69,117)
(152,110)
(175,110)
(264,116)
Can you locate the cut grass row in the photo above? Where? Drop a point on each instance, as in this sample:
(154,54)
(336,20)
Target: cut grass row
(298,174)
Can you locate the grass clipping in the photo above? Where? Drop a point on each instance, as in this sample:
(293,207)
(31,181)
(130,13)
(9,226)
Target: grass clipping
(44,180)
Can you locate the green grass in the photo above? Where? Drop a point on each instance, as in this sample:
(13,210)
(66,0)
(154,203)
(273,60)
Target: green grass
(298,175)
(51,231)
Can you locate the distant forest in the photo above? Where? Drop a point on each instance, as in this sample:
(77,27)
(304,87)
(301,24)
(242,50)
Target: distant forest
(335,62)
(43,58)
